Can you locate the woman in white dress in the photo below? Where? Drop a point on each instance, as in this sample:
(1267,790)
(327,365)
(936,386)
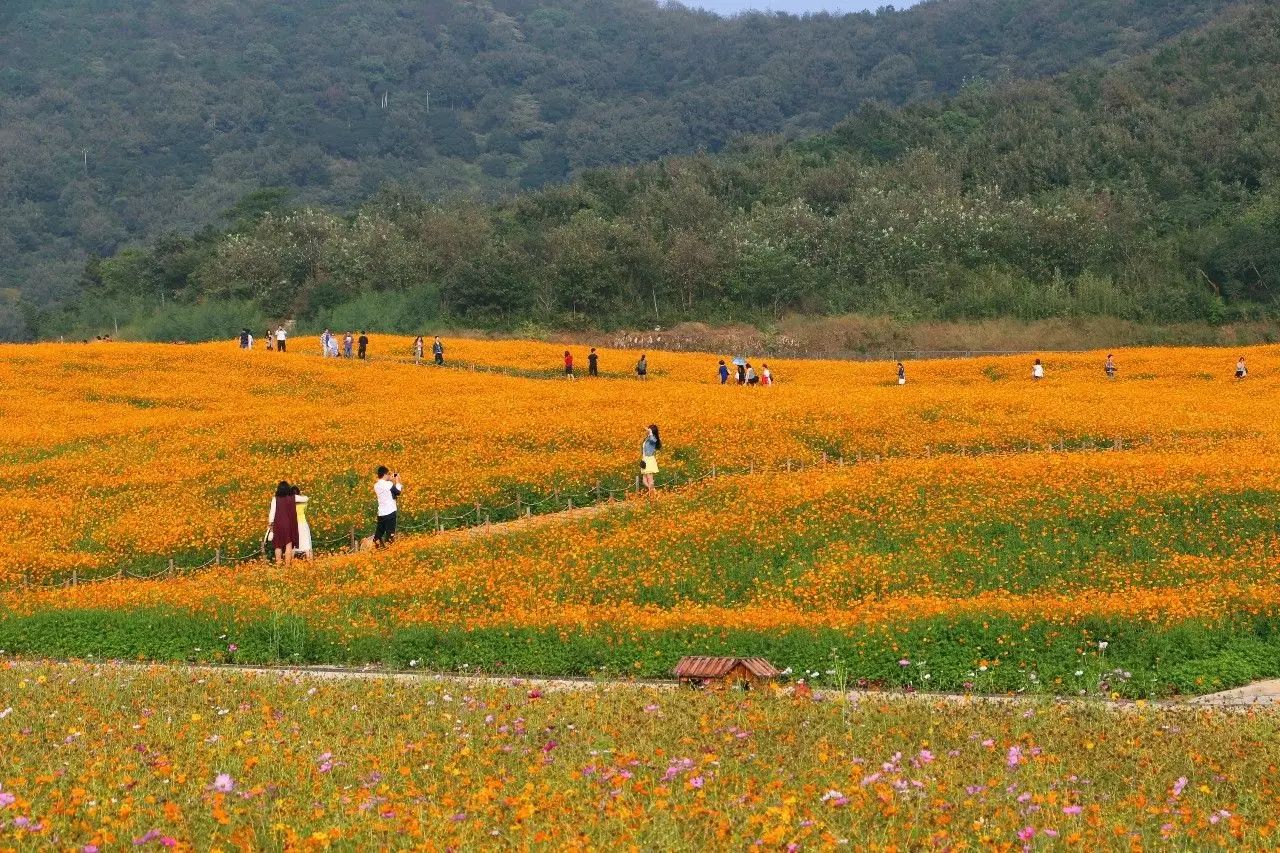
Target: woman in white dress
(304,529)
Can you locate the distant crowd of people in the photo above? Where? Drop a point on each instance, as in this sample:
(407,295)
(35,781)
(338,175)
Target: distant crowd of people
(742,371)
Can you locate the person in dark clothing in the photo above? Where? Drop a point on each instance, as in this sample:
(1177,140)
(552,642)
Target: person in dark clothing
(283,523)
(742,374)
(362,346)
(437,350)
(593,363)
(244,338)
(387,489)
(642,367)
(724,373)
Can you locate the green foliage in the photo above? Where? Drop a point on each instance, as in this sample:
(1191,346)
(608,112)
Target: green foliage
(177,110)
(980,654)
(1024,200)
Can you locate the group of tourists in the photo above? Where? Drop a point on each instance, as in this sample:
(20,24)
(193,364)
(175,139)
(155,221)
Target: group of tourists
(351,345)
(289,534)
(437,350)
(593,365)
(746,373)
(287,529)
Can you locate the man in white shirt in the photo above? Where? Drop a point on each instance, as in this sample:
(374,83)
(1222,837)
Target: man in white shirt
(387,489)
(280,336)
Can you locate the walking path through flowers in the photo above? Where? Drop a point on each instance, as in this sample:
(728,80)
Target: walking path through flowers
(1263,693)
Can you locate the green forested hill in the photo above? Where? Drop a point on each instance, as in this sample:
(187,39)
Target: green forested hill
(123,120)
(1147,191)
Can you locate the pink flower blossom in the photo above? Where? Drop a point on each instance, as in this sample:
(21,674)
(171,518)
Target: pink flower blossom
(697,782)
(1015,755)
(1178,786)
(1072,810)
(223,783)
(1026,833)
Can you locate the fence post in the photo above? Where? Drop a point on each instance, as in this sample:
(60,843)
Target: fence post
(570,503)
(597,491)
(751,466)
(841,460)
(517,505)
(351,535)
(171,565)
(713,470)
(788,466)
(1062,444)
(75,579)
(928,451)
(479,518)
(217,556)
(439,528)
(528,511)
(824,457)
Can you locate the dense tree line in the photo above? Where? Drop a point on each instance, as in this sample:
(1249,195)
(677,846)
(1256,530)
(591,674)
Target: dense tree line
(125,121)
(1147,191)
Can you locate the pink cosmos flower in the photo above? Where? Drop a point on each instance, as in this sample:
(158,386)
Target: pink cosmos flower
(223,783)
(697,782)
(1026,833)
(1072,810)
(1015,755)
(1178,786)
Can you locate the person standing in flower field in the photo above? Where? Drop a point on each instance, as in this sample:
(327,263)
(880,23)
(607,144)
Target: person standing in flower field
(417,350)
(568,365)
(766,375)
(1037,370)
(281,336)
(282,523)
(325,339)
(348,342)
(437,351)
(723,373)
(304,529)
(649,458)
(245,338)
(271,340)
(1241,370)
(642,366)
(1110,367)
(387,489)
(593,363)
(902,374)
(363,345)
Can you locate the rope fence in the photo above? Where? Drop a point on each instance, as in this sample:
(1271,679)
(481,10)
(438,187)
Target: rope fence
(558,501)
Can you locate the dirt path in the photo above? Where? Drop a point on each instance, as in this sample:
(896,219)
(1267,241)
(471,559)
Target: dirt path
(1263,694)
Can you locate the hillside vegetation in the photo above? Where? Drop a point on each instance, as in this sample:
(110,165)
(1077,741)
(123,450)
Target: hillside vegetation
(124,121)
(1145,192)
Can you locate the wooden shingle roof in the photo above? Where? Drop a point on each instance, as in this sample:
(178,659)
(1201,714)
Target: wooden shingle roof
(713,667)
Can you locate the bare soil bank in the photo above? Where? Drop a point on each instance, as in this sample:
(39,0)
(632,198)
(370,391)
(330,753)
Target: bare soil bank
(885,337)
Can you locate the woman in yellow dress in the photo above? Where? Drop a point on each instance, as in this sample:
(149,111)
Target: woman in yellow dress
(304,529)
(649,457)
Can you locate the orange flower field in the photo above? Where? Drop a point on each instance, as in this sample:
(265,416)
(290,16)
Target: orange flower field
(1074,535)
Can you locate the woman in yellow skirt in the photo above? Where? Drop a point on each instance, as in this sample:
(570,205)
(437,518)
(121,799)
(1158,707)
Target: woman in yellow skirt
(649,457)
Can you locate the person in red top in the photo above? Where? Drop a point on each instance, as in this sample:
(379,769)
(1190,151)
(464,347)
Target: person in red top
(568,364)
(283,523)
